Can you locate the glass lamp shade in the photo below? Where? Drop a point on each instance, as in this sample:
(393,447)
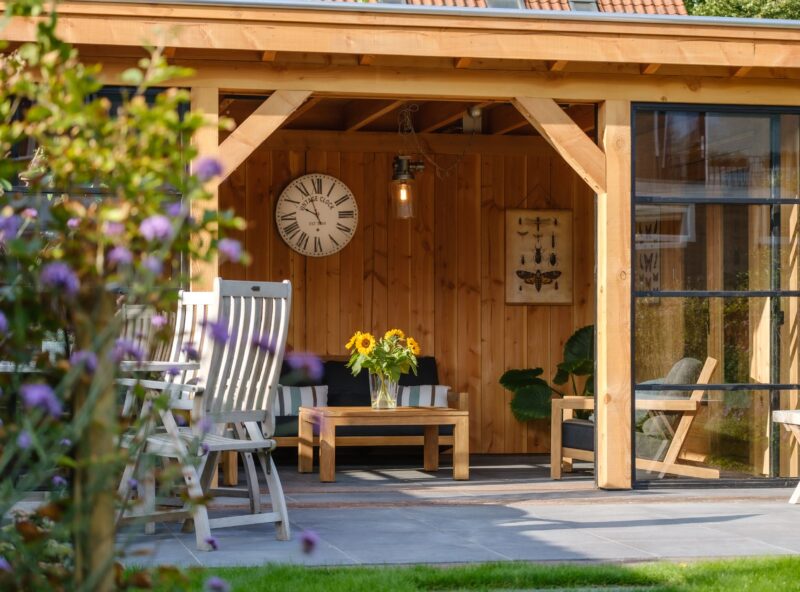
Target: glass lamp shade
(403,193)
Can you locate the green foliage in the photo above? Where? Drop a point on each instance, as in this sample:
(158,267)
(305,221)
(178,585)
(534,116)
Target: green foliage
(532,394)
(753,575)
(772,9)
(70,242)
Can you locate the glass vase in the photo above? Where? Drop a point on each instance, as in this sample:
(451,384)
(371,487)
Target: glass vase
(383,392)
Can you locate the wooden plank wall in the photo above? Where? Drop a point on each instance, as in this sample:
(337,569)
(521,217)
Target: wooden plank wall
(439,276)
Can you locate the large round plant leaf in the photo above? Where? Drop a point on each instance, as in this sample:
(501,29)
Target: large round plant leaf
(516,379)
(532,401)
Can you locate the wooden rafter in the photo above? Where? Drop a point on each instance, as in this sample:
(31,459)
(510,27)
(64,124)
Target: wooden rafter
(741,72)
(435,115)
(650,68)
(504,119)
(169,52)
(358,113)
(569,140)
(268,56)
(462,62)
(583,115)
(557,65)
(267,118)
(310,103)
(366,59)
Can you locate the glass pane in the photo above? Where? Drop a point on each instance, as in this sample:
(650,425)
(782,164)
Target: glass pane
(715,247)
(730,436)
(695,154)
(736,332)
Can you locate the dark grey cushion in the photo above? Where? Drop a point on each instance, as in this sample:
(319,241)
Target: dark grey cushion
(578,433)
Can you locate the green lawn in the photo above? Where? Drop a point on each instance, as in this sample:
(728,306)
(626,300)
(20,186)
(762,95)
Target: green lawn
(769,575)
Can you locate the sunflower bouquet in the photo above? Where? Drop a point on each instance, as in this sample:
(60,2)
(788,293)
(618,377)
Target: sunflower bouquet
(385,359)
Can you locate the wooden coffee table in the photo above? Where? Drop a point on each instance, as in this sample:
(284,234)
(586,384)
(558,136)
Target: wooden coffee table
(328,418)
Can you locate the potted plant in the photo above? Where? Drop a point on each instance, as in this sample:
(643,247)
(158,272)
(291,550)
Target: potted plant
(386,360)
(532,394)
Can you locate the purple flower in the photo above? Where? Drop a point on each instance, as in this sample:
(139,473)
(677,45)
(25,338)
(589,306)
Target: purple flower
(73,223)
(156,227)
(205,425)
(173,371)
(41,396)
(5,565)
(59,276)
(59,481)
(24,440)
(309,541)
(205,448)
(158,321)
(218,330)
(125,349)
(216,584)
(180,420)
(66,442)
(175,209)
(230,249)
(153,265)
(206,168)
(120,256)
(30,213)
(9,226)
(212,542)
(133,484)
(191,353)
(113,228)
(264,342)
(86,358)
(308,363)
(3,324)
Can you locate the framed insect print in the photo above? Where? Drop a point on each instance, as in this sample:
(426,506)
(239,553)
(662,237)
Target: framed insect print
(539,266)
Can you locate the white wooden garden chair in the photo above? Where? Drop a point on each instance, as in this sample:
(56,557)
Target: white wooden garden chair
(791,421)
(238,385)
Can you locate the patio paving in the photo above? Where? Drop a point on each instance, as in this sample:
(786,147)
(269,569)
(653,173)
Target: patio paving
(509,510)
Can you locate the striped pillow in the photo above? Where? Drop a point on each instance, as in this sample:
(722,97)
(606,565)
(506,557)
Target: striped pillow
(428,395)
(291,398)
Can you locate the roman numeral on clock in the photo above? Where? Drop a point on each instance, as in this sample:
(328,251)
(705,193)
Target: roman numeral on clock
(317,245)
(302,189)
(316,183)
(341,200)
(292,229)
(302,242)
(346,213)
(344,228)
(289,216)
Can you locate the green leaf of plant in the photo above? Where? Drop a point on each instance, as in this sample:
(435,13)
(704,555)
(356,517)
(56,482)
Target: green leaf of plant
(580,346)
(132,76)
(532,402)
(515,379)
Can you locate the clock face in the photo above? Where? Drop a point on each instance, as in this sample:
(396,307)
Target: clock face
(317,215)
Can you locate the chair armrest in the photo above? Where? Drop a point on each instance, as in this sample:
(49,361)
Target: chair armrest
(573,403)
(133,366)
(458,401)
(667,405)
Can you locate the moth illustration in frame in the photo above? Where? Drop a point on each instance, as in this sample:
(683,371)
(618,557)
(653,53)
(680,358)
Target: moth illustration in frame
(316,215)
(539,266)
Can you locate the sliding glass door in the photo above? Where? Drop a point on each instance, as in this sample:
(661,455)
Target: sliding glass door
(716,291)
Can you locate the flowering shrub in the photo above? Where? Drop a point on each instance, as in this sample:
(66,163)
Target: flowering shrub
(104,216)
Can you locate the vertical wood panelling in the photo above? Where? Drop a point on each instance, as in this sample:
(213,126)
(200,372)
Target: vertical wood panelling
(440,276)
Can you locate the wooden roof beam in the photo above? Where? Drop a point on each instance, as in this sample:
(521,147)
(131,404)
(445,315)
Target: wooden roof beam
(252,132)
(504,119)
(650,68)
(557,66)
(583,115)
(268,56)
(169,52)
(366,60)
(358,114)
(569,140)
(460,63)
(741,72)
(310,103)
(435,115)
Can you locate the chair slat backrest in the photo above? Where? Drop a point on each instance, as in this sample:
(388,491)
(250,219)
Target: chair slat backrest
(241,377)
(138,329)
(194,310)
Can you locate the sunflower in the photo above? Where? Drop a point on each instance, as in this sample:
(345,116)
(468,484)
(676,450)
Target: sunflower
(413,346)
(395,333)
(365,344)
(353,339)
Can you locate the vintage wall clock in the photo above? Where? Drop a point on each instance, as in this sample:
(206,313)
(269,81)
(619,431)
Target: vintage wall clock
(316,215)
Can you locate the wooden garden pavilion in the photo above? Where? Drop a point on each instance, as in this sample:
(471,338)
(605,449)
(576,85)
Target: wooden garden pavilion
(318,87)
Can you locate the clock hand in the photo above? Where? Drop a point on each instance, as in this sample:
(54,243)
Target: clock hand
(316,212)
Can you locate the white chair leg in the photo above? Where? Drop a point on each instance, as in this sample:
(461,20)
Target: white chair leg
(252,483)
(795,495)
(276,495)
(202,530)
(149,498)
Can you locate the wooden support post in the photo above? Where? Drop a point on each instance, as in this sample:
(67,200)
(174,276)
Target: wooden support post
(613,351)
(252,132)
(206,140)
(567,138)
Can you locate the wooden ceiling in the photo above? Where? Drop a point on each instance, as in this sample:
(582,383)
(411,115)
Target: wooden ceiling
(382,115)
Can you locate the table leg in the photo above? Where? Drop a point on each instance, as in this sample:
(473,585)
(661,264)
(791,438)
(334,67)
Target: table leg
(327,451)
(461,449)
(431,447)
(796,494)
(305,444)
